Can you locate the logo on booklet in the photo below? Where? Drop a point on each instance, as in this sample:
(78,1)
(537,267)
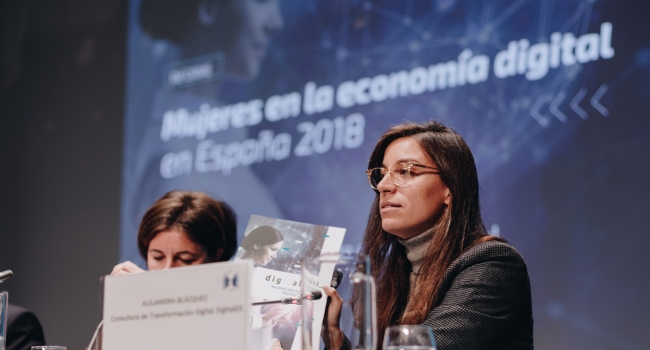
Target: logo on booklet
(230,280)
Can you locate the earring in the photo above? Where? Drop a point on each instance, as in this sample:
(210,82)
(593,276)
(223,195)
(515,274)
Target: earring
(207,12)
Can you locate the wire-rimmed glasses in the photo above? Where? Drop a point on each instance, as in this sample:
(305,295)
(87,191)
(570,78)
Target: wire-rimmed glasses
(400,173)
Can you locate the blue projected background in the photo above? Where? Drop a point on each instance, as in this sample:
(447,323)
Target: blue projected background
(274,107)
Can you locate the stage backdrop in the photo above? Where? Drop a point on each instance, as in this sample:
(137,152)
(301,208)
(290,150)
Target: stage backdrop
(274,107)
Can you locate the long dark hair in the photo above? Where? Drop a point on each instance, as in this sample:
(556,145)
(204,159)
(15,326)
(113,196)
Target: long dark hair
(459,227)
(262,235)
(210,223)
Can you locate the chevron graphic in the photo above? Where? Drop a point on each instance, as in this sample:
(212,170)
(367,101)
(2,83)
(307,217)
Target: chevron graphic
(534,110)
(575,104)
(553,107)
(555,102)
(595,100)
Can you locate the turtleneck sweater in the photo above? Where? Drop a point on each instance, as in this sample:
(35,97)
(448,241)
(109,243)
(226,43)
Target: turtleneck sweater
(416,248)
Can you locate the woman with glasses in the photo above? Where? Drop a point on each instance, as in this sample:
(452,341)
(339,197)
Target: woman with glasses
(431,256)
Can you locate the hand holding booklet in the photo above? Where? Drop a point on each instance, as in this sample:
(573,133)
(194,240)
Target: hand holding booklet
(277,248)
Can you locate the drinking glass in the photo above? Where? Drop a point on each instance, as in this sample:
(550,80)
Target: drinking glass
(350,275)
(49,347)
(409,337)
(3,319)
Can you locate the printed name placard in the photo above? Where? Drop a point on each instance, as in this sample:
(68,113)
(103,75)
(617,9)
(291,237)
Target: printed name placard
(198,307)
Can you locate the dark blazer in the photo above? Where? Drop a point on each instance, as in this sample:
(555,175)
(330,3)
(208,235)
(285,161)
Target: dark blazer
(23,329)
(484,301)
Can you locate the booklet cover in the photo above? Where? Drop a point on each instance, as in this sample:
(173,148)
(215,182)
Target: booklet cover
(276,248)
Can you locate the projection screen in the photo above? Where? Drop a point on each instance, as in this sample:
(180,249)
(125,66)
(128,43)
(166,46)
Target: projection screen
(274,107)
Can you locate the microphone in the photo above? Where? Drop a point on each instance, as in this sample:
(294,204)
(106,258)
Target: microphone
(337,277)
(315,295)
(5,275)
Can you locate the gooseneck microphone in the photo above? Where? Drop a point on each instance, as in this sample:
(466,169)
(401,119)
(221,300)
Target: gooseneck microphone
(5,275)
(315,295)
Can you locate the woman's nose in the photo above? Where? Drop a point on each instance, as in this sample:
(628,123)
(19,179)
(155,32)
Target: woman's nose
(169,263)
(386,184)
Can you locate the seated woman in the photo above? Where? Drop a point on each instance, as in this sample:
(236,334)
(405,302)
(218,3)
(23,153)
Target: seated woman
(431,256)
(184,228)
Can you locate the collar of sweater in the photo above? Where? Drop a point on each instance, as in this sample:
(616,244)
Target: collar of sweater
(416,248)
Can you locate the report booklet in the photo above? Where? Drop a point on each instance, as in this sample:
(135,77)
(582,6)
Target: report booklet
(276,247)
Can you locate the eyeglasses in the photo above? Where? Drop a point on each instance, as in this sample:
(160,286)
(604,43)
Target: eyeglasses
(400,173)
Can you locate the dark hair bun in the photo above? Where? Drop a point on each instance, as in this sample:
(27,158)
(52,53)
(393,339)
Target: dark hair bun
(262,235)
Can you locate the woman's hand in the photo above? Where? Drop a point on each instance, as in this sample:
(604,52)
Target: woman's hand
(126,268)
(332,334)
